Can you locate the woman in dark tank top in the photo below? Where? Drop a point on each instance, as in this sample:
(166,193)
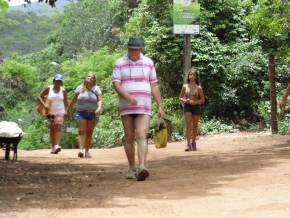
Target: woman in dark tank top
(191,95)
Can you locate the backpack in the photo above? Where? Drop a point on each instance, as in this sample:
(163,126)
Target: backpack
(41,109)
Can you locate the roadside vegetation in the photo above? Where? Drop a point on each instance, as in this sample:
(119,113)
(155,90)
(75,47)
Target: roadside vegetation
(228,53)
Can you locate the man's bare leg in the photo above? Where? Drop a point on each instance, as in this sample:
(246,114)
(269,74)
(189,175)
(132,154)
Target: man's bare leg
(141,127)
(128,125)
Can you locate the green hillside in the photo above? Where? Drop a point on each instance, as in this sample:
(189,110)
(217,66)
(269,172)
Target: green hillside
(26,33)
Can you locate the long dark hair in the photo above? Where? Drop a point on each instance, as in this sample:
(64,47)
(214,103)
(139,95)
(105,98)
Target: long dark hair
(196,74)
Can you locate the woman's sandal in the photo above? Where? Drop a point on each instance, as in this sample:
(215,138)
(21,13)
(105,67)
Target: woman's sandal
(193,146)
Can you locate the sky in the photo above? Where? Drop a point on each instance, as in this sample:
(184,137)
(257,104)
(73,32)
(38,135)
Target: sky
(18,2)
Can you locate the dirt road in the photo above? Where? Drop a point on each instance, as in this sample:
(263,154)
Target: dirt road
(230,176)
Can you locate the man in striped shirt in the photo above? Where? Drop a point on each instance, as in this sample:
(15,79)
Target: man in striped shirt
(135,80)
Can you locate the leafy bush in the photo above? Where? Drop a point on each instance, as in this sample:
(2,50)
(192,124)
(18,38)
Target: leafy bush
(42,61)
(36,135)
(284,123)
(108,132)
(283,118)
(18,83)
(215,126)
(174,112)
(100,62)
(69,138)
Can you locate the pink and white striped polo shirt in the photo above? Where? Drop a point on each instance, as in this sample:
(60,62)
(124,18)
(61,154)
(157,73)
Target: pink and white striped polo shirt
(135,78)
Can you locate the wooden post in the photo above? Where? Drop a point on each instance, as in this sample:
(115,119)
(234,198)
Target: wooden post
(186,55)
(273,100)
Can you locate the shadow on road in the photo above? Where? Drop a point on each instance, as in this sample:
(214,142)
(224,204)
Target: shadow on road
(26,184)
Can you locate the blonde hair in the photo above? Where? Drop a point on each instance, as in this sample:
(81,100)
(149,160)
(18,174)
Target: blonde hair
(91,74)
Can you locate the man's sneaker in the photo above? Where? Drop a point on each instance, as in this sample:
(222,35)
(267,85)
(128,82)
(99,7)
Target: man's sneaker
(142,174)
(80,154)
(57,149)
(87,154)
(131,174)
(52,149)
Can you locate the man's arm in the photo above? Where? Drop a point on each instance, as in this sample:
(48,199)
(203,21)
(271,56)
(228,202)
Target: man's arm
(120,90)
(157,97)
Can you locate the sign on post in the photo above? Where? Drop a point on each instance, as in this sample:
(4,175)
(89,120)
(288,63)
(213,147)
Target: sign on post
(186,16)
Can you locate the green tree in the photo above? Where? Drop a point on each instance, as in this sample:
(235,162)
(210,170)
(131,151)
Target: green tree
(21,29)
(270,22)
(17,82)
(3,9)
(89,25)
(3,6)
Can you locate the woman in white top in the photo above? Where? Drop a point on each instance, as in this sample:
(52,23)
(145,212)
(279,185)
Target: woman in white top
(54,99)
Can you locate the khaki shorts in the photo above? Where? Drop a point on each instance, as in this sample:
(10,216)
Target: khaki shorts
(56,119)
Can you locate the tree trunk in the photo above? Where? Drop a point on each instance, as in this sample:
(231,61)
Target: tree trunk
(186,56)
(274,123)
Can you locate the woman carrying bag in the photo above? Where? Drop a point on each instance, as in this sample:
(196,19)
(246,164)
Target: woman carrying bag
(54,100)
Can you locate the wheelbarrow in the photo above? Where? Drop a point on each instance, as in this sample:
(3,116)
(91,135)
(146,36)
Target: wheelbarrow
(10,143)
(10,136)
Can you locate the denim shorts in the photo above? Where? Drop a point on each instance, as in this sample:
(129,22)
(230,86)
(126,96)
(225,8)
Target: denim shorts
(86,115)
(193,109)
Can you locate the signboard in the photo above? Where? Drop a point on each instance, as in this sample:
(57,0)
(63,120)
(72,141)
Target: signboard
(186,16)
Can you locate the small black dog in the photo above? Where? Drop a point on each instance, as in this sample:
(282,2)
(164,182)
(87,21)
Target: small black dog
(8,143)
